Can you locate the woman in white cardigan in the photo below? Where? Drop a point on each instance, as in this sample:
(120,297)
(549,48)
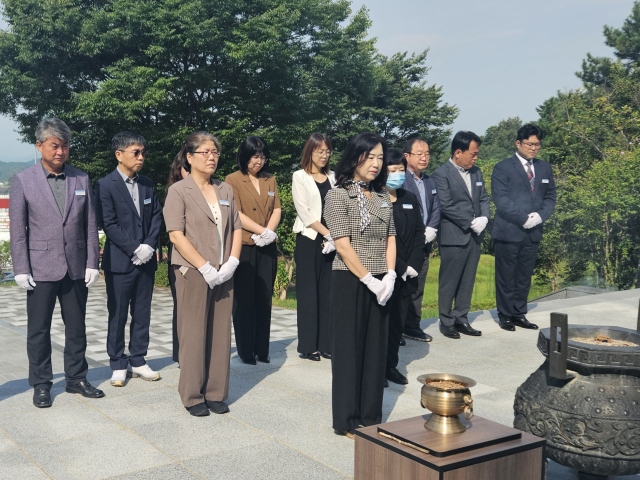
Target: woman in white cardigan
(315,249)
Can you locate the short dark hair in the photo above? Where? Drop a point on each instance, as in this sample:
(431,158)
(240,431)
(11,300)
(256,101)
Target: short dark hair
(355,154)
(396,157)
(529,130)
(408,145)
(125,139)
(248,148)
(462,141)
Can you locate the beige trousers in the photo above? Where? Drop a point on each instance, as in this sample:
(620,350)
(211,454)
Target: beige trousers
(204,333)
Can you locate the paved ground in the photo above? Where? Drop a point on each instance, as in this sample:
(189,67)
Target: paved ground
(279,426)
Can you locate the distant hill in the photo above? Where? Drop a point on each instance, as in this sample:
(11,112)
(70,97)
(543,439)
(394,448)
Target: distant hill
(8,169)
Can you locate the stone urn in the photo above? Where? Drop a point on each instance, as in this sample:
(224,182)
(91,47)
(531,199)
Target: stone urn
(585,398)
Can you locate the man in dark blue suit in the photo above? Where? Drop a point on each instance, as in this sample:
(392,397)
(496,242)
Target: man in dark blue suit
(130,214)
(525,197)
(416,152)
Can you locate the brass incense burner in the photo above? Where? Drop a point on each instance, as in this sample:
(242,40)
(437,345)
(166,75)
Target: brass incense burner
(446,402)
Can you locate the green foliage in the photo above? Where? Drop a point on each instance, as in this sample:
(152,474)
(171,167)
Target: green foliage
(162,275)
(5,254)
(486,167)
(499,140)
(284,278)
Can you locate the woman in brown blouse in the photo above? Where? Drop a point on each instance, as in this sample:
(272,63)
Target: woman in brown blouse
(206,233)
(256,195)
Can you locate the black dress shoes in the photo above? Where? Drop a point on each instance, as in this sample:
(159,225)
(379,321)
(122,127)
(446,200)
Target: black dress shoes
(524,323)
(249,361)
(85,389)
(403,342)
(41,397)
(325,355)
(467,329)
(217,407)
(449,331)
(311,356)
(506,323)
(417,334)
(199,410)
(386,383)
(264,359)
(393,375)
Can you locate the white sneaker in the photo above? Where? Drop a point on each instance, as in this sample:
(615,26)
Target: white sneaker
(144,372)
(118,378)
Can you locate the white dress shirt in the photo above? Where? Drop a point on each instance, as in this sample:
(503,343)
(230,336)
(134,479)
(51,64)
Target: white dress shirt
(524,164)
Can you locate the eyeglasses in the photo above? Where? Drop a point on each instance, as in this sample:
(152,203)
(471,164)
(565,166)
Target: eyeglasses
(322,153)
(259,158)
(532,145)
(208,153)
(136,153)
(421,155)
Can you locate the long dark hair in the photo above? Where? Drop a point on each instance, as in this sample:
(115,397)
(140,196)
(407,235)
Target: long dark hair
(356,153)
(175,175)
(191,144)
(314,142)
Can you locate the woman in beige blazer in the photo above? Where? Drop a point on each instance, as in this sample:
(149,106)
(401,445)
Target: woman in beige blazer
(206,232)
(315,249)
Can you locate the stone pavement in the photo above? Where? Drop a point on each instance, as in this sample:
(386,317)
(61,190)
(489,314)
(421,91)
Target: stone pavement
(279,426)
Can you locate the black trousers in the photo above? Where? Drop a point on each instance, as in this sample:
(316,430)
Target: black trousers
(458,267)
(400,304)
(313,290)
(172,285)
(253,291)
(414,313)
(72,295)
(515,262)
(128,291)
(359,330)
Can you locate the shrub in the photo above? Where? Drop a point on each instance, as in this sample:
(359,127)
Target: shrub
(162,275)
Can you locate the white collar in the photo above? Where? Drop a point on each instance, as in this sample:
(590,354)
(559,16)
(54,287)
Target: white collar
(523,160)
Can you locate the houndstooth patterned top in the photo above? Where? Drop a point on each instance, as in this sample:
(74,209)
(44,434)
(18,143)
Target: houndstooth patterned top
(342,214)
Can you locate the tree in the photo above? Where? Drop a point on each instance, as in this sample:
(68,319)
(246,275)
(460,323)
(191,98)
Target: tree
(498,142)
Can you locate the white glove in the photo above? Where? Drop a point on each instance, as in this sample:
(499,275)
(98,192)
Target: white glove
(430,234)
(533,220)
(268,236)
(228,268)
(259,241)
(329,246)
(411,273)
(142,254)
(210,274)
(91,276)
(479,224)
(25,280)
(375,285)
(389,281)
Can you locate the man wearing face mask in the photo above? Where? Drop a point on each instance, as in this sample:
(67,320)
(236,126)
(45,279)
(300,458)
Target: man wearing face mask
(464,206)
(410,241)
(417,155)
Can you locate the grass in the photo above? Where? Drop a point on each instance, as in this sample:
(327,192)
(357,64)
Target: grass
(484,290)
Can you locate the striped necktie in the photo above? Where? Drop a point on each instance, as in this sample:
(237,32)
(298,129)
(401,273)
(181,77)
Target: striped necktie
(530,174)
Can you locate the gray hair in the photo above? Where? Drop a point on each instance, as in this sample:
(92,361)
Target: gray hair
(52,127)
(124,139)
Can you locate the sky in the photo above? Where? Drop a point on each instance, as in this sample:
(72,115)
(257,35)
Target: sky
(494,59)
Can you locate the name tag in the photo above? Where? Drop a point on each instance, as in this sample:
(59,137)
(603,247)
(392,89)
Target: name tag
(80,192)
(545,180)
(478,184)
(224,202)
(407,206)
(434,191)
(383,204)
(271,194)
(147,201)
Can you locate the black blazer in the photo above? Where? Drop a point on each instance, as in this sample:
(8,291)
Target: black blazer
(457,207)
(431,197)
(124,228)
(409,232)
(514,201)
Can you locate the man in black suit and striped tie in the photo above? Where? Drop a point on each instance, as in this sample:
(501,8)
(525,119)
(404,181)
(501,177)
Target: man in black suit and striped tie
(525,197)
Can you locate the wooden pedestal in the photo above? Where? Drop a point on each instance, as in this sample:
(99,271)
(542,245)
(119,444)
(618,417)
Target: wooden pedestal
(381,458)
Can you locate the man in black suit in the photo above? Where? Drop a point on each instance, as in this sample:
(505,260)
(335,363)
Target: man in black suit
(417,155)
(130,215)
(464,208)
(524,193)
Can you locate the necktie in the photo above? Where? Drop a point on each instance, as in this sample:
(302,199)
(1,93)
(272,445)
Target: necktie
(530,174)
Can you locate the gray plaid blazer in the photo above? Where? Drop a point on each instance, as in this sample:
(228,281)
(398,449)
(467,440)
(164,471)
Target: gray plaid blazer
(343,220)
